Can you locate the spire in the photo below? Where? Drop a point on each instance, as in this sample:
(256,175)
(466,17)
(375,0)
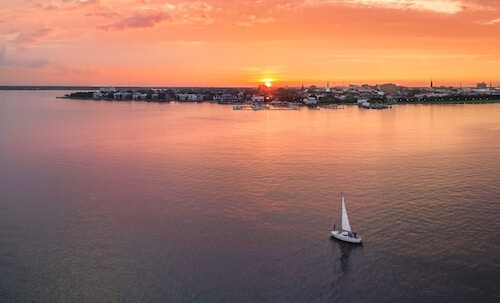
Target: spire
(431,84)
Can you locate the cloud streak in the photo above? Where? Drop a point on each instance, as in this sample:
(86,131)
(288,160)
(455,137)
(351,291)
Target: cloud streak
(148,16)
(252,20)
(64,4)
(492,22)
(436,6)
(138,20)
(24,39)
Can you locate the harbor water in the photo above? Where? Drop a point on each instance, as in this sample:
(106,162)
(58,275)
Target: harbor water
(105,201)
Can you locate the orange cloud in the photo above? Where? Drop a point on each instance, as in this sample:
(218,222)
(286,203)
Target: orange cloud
(437,6)
(251,20)
(493,21)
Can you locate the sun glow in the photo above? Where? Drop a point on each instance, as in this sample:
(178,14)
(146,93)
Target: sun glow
(268,82)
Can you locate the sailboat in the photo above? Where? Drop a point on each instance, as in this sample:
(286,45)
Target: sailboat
(346,234)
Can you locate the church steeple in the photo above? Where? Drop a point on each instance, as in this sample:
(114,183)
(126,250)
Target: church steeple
(431,84)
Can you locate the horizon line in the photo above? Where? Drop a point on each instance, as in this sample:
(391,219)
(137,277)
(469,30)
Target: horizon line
(13,87)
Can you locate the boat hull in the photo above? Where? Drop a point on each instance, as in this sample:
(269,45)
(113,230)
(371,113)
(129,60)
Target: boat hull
(343,236)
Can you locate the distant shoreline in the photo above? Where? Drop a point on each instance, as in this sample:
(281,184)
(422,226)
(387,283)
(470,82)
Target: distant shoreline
(21,87)
(24,87)
(319,104)
(122,100)
(208,94)
(448,102)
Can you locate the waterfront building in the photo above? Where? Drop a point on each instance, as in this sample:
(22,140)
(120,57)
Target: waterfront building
(122,95)
(258,98)
(190,97)
(481,85)
(387,88)
(98,95)
(138,95)
(310,100)
(110,89)
(228,98)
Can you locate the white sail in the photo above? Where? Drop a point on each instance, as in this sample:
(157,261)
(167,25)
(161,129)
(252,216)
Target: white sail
(345,220)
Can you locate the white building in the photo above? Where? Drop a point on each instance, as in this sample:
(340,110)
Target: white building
(110,89)
(258,98)
(122,95)
(310,100)
(190,97)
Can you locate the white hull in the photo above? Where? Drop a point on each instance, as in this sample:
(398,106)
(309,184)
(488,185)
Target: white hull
(344,236)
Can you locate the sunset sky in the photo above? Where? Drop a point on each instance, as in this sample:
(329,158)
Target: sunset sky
(243,42)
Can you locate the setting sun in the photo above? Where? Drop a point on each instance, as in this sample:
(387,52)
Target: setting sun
(268,82)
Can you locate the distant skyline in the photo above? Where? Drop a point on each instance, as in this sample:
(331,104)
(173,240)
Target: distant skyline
(243,43)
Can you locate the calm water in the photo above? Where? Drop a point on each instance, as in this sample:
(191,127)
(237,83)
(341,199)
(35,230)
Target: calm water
(145,202)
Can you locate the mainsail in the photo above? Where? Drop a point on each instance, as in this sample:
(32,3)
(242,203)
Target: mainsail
(345,220)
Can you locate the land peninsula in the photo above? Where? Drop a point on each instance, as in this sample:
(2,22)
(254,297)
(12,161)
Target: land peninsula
(368,96)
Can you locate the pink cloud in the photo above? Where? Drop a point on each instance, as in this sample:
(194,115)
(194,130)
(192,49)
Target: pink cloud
(150,15)
(105,14)
(138,20)
(23,39)
(64,4)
